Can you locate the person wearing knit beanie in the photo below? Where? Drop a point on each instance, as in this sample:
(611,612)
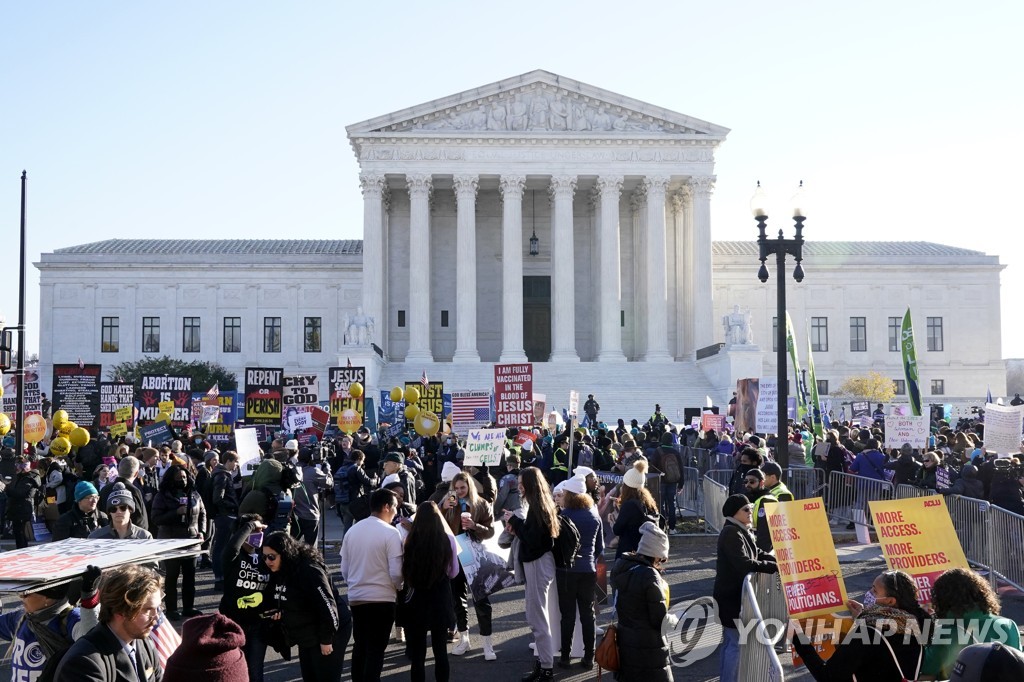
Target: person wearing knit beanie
(576,485)
(637,476)
(733,504)
(210,650)
(448,471)
(84,489)
(653,542)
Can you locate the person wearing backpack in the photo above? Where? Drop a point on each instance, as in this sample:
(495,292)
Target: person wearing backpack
(577,581)
(671,465)
(352,488)
(47,623)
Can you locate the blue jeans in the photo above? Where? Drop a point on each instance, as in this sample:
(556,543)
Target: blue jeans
(668,503)
(729,663)
(255,651)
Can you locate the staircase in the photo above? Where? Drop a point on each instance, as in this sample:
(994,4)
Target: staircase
(627,389)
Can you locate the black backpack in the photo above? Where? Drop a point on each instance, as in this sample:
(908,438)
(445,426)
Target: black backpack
(567,544)
(670,467)
(341,490)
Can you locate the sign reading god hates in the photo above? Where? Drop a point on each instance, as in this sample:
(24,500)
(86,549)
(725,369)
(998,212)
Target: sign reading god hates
(156,389)
(513,395)
(909,429)
(116,400)
(263,395)
(917,537)
(808,564)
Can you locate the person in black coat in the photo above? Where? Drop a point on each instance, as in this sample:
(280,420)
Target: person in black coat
(83,518)
(128,474)
(904,467)
(1008,488)
(22,496)
(641,605)
(738,556)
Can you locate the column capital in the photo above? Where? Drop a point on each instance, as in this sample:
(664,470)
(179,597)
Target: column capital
(610,184)
(562,186)
(702,186)
(656,185)
(466,185)
(419,184)
(371,184)
(512,186)
(678,199)
(638,198)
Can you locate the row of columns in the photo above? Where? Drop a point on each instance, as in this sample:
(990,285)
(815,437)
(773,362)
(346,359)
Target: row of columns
(692,204)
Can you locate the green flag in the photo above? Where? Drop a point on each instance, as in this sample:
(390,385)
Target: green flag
(815,403)
(909,351)
(801,390)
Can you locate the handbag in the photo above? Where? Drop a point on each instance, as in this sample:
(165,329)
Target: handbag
(607,653)
(899,668)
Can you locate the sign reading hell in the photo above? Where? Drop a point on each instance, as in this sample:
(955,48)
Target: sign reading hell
(263,388)
(917,537)
(808,564)
(431,397)
(341,401)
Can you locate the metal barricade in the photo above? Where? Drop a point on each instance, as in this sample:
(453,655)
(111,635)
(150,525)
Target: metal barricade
(805,483)
(848,496)
(1007,539)
(771,600)
(690,498)
(720,476)
(715,495)
(701,458)
(972,523)
(905,490)
(758,660)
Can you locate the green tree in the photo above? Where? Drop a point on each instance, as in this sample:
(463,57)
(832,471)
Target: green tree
(873,386)
(204,374)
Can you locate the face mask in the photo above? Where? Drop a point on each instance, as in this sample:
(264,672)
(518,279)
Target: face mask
(869,599)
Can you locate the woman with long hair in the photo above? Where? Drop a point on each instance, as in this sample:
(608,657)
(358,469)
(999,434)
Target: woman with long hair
(429,565)
(466,512)
(178,513)
(636,507)
(537,533)
(305,604)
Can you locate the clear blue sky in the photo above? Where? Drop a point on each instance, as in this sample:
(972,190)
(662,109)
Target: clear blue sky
(226,119)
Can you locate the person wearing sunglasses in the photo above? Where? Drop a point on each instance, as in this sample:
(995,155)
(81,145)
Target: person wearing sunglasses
(120,507)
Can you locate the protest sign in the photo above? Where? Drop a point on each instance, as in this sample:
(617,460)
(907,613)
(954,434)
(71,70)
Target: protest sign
(321,418)
(808,565)
(118,430)
(711,421)
(391,412)
(825,632)
(470,410)
(342,404)
(210,414)
(767,417)
(900,430)
(263,388)
(540,406)
(248,448)
(484,564)
(917,537)
(156,389)
(1002,429)
(942,479)
(513,395)
(860,408)
(166,406)
(301,420)
(484,446)
(155,434)
(76,390)
(746,404)
(116,400)
(574,404)
(431,398)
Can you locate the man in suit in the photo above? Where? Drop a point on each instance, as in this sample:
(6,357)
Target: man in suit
(119,647)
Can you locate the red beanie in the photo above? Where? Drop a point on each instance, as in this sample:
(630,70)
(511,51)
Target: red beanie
(210,650)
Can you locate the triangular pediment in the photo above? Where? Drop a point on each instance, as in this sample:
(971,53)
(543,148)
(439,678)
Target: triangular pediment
(538,102)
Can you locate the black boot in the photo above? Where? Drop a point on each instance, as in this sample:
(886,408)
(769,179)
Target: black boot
(537,674)
(588,661)
(564,662)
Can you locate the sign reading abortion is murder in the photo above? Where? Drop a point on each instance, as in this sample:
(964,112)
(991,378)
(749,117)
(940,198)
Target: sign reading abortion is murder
(808,565)
(917,537)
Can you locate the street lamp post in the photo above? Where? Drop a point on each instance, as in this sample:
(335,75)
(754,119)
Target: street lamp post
(780,247)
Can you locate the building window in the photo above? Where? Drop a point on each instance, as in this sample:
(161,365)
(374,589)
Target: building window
(822,386)
(900,386)
(938,387)
(401,318)
(110,341)
(190,335)
(819,334)
(858,334)
(271,334)
(622,318)
(232,335)
(444,318)
(151,335)
(895,329)
(311,335)
(935,335)
(775,335)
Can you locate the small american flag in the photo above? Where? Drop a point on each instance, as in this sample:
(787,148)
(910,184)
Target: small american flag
(424,380)
(165,638)
(474,407)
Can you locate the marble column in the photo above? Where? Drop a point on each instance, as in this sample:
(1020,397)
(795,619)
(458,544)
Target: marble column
(372,186)
(657,285)
(419,186)
(682,205)
(610,346)
(703,305)
(465,269)
(511,187)
(638,214)
(563,271)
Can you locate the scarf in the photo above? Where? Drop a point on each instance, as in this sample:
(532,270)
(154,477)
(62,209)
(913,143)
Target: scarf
(51,640)
(881,616)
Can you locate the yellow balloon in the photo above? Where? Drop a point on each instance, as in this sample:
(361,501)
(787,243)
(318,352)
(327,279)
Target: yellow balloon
(59,417)
(355,389)
(35,428)
(412,395)
(426,423)
(66,428)
(79,437)
(1,390)
(397,394)
(60,446)
(5,424)
(411,411)
(349,421)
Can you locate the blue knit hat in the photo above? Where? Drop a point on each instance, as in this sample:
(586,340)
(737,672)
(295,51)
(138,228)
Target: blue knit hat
(84,489)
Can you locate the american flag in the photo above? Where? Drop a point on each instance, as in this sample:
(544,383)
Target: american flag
(165,638)
(423,379)
(471,407)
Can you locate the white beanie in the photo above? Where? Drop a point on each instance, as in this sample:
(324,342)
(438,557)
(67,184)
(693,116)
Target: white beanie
(389,479)
(527,446)
(448,471)
(637,476)
(583,472)
(560,487)
(575,485)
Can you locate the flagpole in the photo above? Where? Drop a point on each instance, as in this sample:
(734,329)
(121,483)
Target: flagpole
(19,431)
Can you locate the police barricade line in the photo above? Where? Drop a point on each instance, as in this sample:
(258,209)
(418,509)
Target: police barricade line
(720,476)
(690,497)
(805,483)
(701,458)
(847,496)
(758,660)
(715,495)
(1004,550)
(771,599)
(905,490)
(973,525)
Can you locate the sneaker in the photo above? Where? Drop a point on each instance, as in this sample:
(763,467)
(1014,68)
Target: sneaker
(174,615)
(462,646)
(400,635)
(533,647)
(489,654)
(599,631)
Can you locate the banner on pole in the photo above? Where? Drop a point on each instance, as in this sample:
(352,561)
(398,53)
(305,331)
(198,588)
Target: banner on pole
(909,351)
(513,395)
